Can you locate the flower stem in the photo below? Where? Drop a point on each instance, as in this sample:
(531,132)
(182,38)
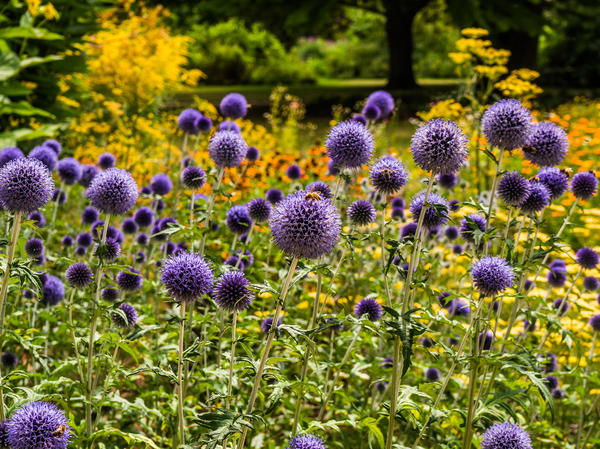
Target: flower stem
(211,205)
(493,193)
(232,356)
(180,375)
(587,373)
(73,337)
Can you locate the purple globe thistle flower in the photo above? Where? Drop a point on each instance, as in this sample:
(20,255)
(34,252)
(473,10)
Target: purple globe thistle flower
(25,185)
(144,217)
(432,374)
(505,436)
(252,154)
(130,280)
(591,283)
(383,100)
(388,175)
(587,258)
(79,275)
(128,321)
(538,198)
(548,363)
(447,180)
(59,196)
(267,323)
(203,124)
(54,145)
(451,233)
(458,307)
(9,360)
(186,277)
(359,118)
(561,306)
(457,249)
(45,155)
(436,213)
(332,168)
(193,177)
(323,189)
(160,226)
(140,257)
(238,220)
(231,292)
(228,125)
(274,196)
(38,425)
(584,185)
(369,307)
(398,202)
(408,231)
(439,146)
(492,275)
(89,215)
(427,342)
(558,263)
(547,144)
(111,232)
(88,173)
(507,124)
(398,213)
(528,285)
(349,144)
(161,184)
(109,294)
(84,239)
(142,239)
(306,441)
(34,247)
(304,225)
(227,149)
(387,363)
(69,170)
(557,277)
(9,154)
(53,291)
(233,261)
(558,394)
(234,105)
(485,340)
(80,251)
(555,179)
(469,226)
(551,382)
(106,161)
(67,241)
(129,226)
(168,248)
(595,323)
(145,190)
(113,191)
(294,172)
(188,121)
(259,210)
(443,298)
(454,205)
(109,251)
(371,112)
(361,212)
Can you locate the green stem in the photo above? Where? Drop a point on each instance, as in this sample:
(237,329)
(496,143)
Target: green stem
(181,418)
(493,194)
(587,373)
(232,356)
(211,205)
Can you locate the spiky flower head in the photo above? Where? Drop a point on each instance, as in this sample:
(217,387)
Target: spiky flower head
(188,121)
(359,118)
(25,185)
(238,220)
(53,291)
(547,145)
(54,145)
(507,124)
(193,177)
(447,180)
(555,179)
(227,149)
(439,146)
(228,125)
(259,210)
(267,323)
(88,173)
(595,323)
(107,160)
(361,212)
(432,374)
(470,224)
(537,199)
(144,217)
(371,112)
(8,154)
(234,105)
(9,360)
(383,100)
(186,277)
(492,275)
(46,156)
(274,196)
(436,212)
(38,425)
(584,185)
(161,184)
(557,276)
(232,293)
(113,191)
(458,307)
(294,172)
(69,170)
(130,318)
(323,189)
(130,280)
(486,338)
(561,306)
(506,436)
(349,144)
(305,225)
(591,283)
(388,175)
(587,258)
(306,441)
(34,247)
(369,307)
(79,275)
(129,226)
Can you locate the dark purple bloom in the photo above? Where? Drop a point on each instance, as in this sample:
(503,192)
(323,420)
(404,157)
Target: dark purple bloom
(34,247)
(557,276)
(507,124)
(79,275)
(451,233)
(69,170)
(188,121)
(369,307)
(59,196)
(193,177)
(447,180)
(113,191)
(265,326)
(538,198)
(555,179)
(9,360)
(558,394)
(547,145)
(458,307)
(443,298)
(203,124)
(67,241)
(454,205)
(84,239)
(427,342)
(595,323)
(25,185)
(469,226)
(54,145)
(228,125)
(561,306)
(505,436)
(398,202)
(129,226)
(294,172)
(186,277)
(109,294)
(140,257)
(361,212)
(227,149)
(130,280)
(320,187)
(349,144)
(109,251)
(274,196)
(359,118)
(106,161)
(8,154)
(161,184)
(80,251)
(485,340)
(584,185)
(234,106)
(439,146)
(45,155)
(238,220)
(144,217)
(162,225)
(492,275)
(548,363)
(388,175)
(231,292)
(88,173)
(130,318)
(591,283)
(252,154)
(53,291)
(457,249)
(432,374)
(89,215)
(142,239)
(408,231)
(587,258)
(436,213)
(306,441)
(371,112)
(398,213)
(259,210)
(38,425)
(332,168)
(551,382)
(383,100)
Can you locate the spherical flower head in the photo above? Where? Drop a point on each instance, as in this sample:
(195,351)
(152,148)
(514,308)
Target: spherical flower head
(306,441)
(113,191)
(547,145)
(397,213)
(238,220)
(369,307)
(361,213)
(505,436)
(186,277)
(228,125)
(129,226)
(9,360)
(109,294)
(9,154)
(161,184)
(294,172)
(53,291)
(109,251)
(349,144)
(304,225)
(54,145)
(130,280)
(447,180)
(558,394)
(595,323)
(359,118)
(383,100)
(591,283)
(587,258)
(188,121)
(45,155)
(274,196)
(67,241)
(507,124)
(128,321)
(234,105)
(88,173)
(451,233)
(25,185)
(59,196)
(332,168)
(492,275)
(162,225)
(259,210)
(34,247)
(69,171)
(457,249)
(227,149)
(320,187)
(432,374)
(38,425)
(551,382)
(555,179)
(79,275)
(371,112)
(80,251)
(470,224)
(89,215)
(106,161)
(557,277)
(144,217)
(398,202)
(203,124)
(388,175)
(231,292)
(84,239)
(439,146)
(485,340)
(584,185)
(538,198)
(193,177)
(252,154)
(561,306)
(427,342)
(548,363)
(458,307)
(142,239)
(436,213)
